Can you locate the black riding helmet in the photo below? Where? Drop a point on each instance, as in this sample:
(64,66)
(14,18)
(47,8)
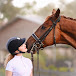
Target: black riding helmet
(14,43)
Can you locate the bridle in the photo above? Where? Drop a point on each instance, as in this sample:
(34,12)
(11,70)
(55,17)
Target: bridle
(38,43)
(41,39)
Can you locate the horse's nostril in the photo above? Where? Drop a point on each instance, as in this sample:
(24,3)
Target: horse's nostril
(28,51)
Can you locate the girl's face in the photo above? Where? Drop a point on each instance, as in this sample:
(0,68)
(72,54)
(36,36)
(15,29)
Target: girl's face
(23,48)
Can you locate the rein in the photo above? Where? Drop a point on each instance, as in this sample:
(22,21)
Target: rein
(38,70)
(38,43)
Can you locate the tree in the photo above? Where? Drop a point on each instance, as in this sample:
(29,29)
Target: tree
(46,11)
(70,9)
(28,8)
(8,10)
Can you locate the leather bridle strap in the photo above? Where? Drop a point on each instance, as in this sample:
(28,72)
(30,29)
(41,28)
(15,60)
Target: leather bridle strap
(36,38)
(38,69)
(32,61)
(39,40)
(54,24)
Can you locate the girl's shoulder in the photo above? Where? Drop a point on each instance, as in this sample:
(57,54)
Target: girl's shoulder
(11,61)
(9,65)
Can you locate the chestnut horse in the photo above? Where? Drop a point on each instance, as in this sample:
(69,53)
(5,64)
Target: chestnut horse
(64,31)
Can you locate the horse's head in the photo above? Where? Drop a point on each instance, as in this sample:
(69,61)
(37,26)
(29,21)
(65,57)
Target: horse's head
(39,35)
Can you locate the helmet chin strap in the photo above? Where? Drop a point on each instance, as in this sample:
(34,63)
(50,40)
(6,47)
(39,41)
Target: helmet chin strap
(17,53)
(20,51)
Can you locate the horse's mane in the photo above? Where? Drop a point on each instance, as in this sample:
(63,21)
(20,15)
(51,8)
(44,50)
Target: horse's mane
(69,18)
(63,17)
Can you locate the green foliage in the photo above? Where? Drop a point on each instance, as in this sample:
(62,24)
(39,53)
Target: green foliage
(63,69)
(46,11)
(27,55)
(8,10)
(28,8)
(72,69)
(59,57)
(68,9)
(52,67)
(2,71)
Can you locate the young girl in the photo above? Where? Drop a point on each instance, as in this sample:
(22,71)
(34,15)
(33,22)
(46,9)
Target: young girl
(16,64)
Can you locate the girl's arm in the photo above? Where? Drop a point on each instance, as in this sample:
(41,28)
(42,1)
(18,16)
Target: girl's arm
(31,73)
(8,73)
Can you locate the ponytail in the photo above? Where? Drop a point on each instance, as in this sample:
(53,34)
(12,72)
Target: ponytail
(8,58)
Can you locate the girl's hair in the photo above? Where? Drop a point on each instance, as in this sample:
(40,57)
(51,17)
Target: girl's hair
(8,58)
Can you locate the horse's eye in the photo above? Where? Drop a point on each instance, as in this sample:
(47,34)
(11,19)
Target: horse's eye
(43,27)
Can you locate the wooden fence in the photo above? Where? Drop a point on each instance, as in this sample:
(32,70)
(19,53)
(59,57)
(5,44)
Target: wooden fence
(54,73)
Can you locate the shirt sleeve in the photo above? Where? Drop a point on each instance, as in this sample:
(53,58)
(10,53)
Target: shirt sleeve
(9,67)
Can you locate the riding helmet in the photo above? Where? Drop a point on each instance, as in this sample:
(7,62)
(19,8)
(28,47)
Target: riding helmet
(14,43)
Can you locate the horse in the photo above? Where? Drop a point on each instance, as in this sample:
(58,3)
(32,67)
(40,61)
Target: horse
(55,30)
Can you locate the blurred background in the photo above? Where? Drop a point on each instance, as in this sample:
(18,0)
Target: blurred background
(21,18)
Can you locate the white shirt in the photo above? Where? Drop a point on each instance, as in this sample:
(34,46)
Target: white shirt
(20,66)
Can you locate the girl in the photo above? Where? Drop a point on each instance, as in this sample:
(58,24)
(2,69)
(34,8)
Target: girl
(16,64)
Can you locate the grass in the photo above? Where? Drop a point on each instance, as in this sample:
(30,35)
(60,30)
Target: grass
(2,71)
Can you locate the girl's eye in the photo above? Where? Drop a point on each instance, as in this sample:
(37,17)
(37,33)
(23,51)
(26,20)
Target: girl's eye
(43,27)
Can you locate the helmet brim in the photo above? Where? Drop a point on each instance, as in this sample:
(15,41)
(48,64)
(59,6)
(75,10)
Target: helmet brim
(23,40)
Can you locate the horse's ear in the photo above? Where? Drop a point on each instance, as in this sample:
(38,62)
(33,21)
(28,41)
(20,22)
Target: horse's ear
(53,12)
(57,13)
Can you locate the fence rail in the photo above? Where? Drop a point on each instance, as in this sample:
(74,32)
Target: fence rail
(54,73)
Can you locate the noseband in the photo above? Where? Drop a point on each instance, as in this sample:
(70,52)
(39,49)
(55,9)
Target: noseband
(39,40)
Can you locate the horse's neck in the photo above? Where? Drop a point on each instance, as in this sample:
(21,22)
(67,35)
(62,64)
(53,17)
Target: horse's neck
(68,31)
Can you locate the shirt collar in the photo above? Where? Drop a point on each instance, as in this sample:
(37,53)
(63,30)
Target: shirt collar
(18,56)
